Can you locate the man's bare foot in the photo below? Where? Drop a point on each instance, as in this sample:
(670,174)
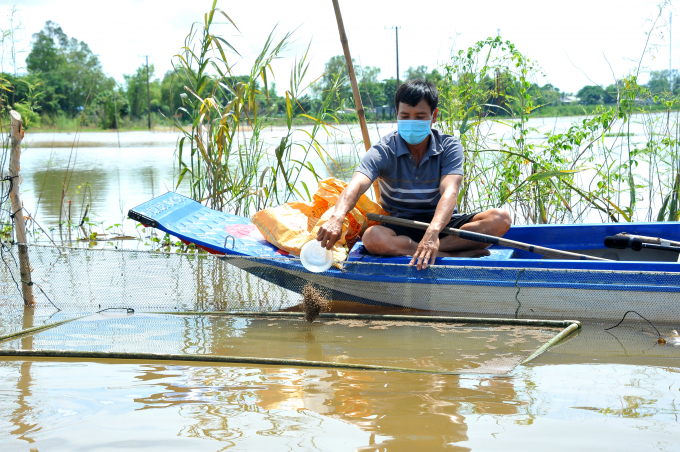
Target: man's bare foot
(466,253)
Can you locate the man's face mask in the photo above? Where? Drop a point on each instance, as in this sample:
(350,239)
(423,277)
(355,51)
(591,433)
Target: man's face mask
(414,131)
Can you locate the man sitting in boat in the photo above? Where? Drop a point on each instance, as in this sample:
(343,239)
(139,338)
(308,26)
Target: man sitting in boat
(419,171)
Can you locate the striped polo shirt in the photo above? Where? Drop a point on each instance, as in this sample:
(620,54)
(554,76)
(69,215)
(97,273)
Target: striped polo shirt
(407,191)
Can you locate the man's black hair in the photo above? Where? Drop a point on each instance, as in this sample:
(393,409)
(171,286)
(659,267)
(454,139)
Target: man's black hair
(411,92)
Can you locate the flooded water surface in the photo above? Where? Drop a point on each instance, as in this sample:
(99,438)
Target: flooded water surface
(50,405)
(615,390)
(596,391)
(114,172)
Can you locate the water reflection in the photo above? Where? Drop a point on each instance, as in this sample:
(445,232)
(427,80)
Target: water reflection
(109,180)
(85,188)
(400,411)
(21,417)
(267,408)
(427,416)
(28,321)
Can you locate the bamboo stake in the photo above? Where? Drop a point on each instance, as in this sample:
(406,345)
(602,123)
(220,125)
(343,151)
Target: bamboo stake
(17,134)
(355,87)
(554,341)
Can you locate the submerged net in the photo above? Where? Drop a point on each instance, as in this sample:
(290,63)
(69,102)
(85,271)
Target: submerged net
(454,347)
(138,303)
(78,283)
(72,280)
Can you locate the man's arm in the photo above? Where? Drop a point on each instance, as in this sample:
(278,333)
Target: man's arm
(330,232)
(449,186)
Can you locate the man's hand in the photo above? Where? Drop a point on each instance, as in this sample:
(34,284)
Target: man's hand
(427,250)
(330,231)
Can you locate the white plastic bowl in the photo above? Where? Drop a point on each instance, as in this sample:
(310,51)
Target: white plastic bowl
(316,258)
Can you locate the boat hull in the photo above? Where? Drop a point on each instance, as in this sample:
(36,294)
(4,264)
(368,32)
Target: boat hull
(507,283)
(529,294)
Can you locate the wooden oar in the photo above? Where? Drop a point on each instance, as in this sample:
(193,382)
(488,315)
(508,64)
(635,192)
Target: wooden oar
(483,238)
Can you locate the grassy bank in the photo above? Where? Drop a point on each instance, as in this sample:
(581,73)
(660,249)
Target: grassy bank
(64,124)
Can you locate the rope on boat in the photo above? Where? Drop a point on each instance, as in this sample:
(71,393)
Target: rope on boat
(660,340)
(634,312)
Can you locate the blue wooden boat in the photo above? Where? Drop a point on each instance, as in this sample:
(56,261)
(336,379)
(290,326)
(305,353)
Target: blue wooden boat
(509,282)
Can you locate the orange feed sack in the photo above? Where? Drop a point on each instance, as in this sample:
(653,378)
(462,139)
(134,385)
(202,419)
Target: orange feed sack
(291,225)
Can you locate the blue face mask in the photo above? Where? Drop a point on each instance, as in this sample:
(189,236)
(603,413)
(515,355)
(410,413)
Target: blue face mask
(414,131)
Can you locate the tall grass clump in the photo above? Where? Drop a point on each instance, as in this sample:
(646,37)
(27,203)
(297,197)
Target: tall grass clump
(597,168)
(221,152)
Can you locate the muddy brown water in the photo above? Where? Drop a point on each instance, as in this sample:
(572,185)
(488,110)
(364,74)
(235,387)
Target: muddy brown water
(598,390)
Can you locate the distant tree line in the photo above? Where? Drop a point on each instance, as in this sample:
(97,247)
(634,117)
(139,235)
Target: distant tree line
(65,79)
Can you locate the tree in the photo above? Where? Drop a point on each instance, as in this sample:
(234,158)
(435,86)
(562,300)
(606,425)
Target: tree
(591,95)
(390,90)
(611,94)
(72,74)
(434,76)
(372,94)
(548,94)
(135,91)
(413,73)
(659,81)
(107,105)
(421,72)
(336,66)
(172,87)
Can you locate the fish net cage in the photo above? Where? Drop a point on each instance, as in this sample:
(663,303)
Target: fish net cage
(82,280)
(203,307)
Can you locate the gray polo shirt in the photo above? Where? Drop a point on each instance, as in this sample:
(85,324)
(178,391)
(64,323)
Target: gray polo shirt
(407,191)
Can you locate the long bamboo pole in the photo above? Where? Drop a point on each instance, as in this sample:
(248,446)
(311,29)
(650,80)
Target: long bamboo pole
(355,87)
(16,135)
(484,238)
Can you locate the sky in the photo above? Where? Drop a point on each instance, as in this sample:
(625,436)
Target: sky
(574,42)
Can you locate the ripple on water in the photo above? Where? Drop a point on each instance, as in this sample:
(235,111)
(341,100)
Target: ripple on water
(158,406)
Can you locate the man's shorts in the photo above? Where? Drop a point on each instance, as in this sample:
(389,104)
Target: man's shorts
(457,220)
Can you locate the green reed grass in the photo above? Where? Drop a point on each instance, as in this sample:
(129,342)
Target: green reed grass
(593,167)
(229,165)
(565,176)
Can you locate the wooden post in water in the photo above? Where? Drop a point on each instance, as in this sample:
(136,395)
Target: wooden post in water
(16,135)
(355,87)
